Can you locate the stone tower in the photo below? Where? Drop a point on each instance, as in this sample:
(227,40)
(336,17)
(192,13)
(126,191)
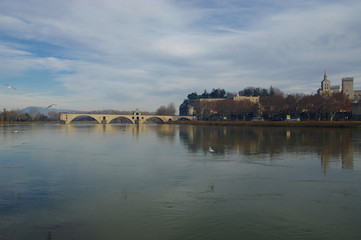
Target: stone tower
(347,87)
(325,84)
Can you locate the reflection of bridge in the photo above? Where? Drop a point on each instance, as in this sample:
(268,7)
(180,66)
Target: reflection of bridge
(136,117)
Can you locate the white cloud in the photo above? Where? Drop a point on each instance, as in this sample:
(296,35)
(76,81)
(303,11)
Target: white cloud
(119,53)
(10,51)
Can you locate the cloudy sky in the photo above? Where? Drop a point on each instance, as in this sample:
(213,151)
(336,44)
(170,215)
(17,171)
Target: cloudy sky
(128,54)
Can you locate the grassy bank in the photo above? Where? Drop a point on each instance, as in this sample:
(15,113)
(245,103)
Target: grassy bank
(340,124)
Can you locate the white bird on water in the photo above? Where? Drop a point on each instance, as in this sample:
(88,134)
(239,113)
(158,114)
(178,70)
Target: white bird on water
(51,105)
(211,150)
(10,86)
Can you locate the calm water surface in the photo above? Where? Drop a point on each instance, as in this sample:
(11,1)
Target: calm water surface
(161,182)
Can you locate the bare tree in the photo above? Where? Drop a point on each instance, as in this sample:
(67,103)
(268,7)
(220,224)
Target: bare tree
(166,110)
(245,108)
(338,102)
(272,105)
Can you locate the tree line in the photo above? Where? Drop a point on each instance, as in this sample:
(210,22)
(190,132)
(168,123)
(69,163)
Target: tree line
(273,105)
(33,115)
(248,91)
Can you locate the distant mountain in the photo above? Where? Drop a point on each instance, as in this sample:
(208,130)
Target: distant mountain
(46,111)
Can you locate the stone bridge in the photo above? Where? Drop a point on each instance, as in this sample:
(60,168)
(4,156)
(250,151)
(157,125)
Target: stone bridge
(135,118)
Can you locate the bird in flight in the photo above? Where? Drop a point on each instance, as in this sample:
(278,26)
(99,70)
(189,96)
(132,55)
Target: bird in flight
(10,86)
(51,105)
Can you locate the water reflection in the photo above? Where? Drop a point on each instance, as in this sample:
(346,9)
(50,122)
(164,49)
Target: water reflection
(84,181)
(136,129)
(331,145)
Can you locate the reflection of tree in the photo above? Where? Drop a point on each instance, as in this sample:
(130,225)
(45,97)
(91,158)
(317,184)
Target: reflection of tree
(166,132)
(332,145)
(337,147)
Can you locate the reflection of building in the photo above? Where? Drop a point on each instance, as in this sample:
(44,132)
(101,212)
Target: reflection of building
(346,88)
(345,157)
(334,147)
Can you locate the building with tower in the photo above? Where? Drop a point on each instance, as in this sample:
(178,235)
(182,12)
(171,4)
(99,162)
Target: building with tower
(346,88)
(325,85)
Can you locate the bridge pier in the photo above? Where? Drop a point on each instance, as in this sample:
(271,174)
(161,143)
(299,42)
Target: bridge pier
(103,120)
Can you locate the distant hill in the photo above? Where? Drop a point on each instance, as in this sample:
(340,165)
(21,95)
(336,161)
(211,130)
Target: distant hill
(46,111)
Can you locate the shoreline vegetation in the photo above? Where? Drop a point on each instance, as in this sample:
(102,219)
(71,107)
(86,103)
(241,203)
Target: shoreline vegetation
(269,104)
(28,122)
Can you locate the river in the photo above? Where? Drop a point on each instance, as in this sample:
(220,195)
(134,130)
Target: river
(90,181)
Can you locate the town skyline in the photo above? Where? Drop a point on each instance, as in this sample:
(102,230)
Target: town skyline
(142,54)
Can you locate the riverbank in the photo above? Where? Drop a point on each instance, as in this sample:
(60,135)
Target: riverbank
(339,124)
(54,122)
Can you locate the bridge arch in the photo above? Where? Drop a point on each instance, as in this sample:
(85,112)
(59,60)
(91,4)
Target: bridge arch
(156,118)
(183,119)
(128,119)
(75,117)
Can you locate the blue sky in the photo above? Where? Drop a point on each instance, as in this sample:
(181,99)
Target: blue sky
(123,55)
